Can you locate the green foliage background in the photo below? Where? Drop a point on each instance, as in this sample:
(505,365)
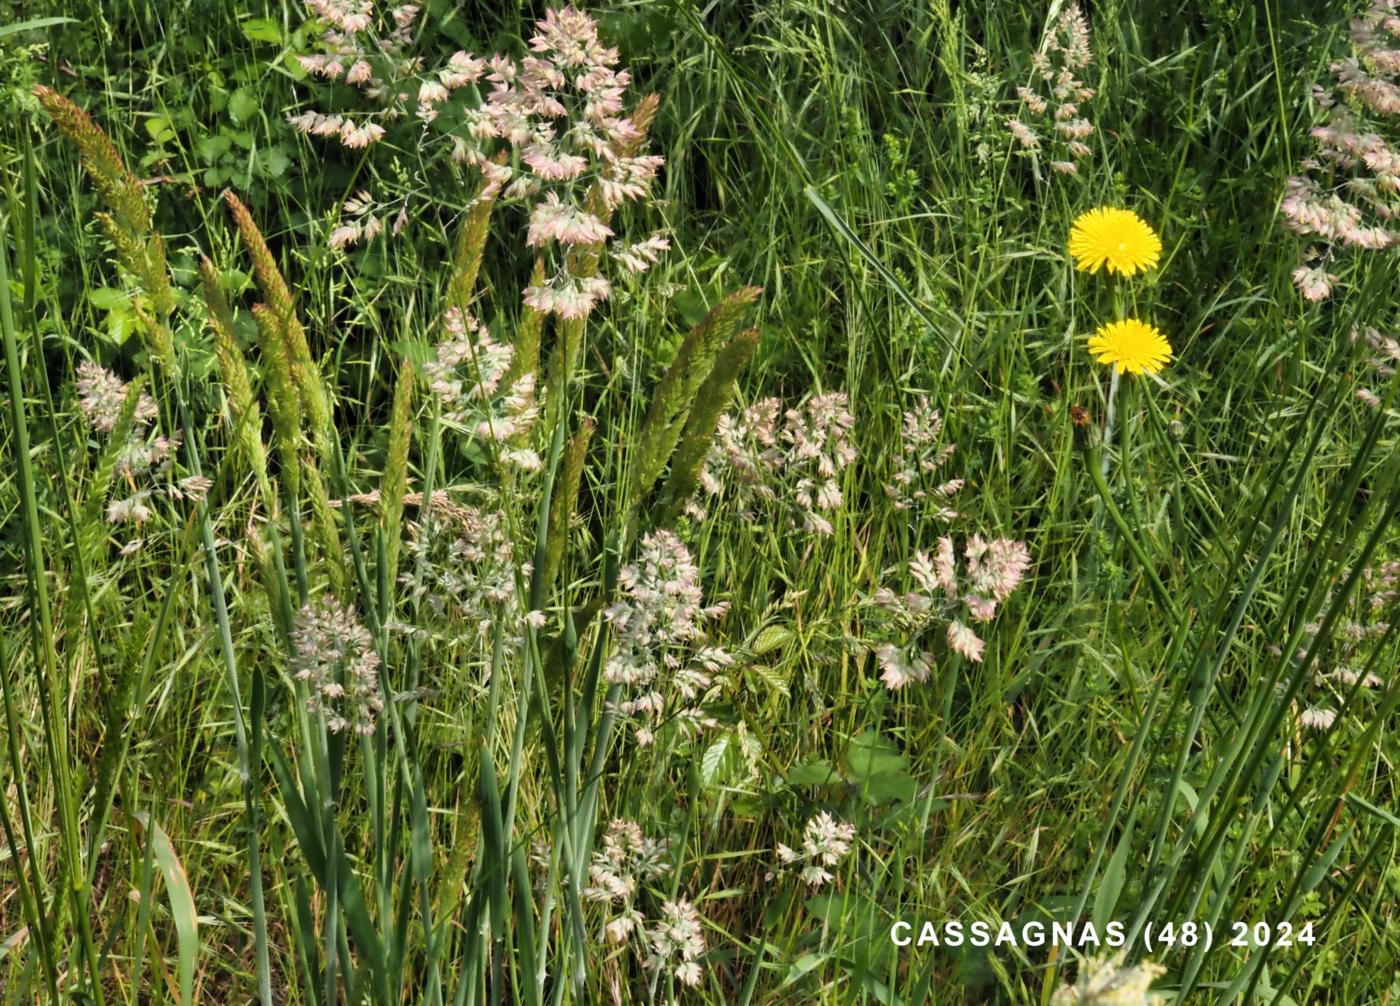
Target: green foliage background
(850,159)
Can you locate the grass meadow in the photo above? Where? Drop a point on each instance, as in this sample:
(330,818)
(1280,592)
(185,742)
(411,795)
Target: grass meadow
(665,511)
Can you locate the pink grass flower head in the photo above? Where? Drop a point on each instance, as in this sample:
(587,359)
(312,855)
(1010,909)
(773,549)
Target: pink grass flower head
(471,376)
(825,844)
(1055,94)
(943,598)
(333,654)
(560,111)
(144,477)
(658,625)
(555,220)
(1346,192)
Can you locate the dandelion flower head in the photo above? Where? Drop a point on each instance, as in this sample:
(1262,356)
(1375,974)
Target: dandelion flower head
(1134,346)
(1117,239)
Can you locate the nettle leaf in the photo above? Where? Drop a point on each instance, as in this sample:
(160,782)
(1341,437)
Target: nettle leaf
(159,129)
(120,319)
(875,763)
(292,66)
(107,298)
(771,679)
(890,787)
(273,161)
(261,29)
(858,925)
(211,148)
(692,305)
(872,754)
(242,105)
(854,915)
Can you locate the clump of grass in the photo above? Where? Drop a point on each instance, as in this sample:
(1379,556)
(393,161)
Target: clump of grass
(518,510)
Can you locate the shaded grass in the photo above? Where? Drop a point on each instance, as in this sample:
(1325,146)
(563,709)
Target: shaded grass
(890,114)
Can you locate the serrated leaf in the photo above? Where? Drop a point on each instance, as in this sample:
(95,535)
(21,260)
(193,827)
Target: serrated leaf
(293,66)
(261,29)
(158,128)
(825,907)
(847,911)
(871,754)
(273,161)
(241,105)
(691,305)
(211,148)
(120,326)
(717,761)
(106,298)
(888,787)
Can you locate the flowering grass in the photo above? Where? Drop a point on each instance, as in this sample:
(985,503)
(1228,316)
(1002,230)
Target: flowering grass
(508,503)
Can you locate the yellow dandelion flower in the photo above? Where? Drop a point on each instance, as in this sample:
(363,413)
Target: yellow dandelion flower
(1134,346)
(1118,239)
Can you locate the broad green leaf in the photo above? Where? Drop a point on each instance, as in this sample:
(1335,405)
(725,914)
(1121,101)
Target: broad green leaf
(273,161)
(242,105)
(181,898)
(211,148)
(870,755)
(120,326)
(887,787)
(106,298)
(159,129)
(811,773)
(261,29)
(717,763)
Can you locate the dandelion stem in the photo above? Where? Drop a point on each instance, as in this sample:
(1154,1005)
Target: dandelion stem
(1094,465)
(1108,421)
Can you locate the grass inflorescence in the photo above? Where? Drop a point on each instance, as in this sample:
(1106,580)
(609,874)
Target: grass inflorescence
(529,504)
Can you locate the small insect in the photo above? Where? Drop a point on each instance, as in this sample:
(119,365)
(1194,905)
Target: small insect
(1078,415)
